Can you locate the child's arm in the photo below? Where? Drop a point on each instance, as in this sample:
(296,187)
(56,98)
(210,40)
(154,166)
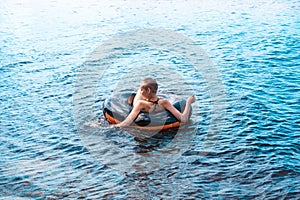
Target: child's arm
(184,116)
(131,117)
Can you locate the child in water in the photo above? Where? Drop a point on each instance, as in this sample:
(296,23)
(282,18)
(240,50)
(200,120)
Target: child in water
(146,100)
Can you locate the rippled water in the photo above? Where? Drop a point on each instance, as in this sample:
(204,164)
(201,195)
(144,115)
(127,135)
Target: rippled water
(55,143)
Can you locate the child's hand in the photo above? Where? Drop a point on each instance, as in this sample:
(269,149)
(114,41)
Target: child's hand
(191,99)
(114,126)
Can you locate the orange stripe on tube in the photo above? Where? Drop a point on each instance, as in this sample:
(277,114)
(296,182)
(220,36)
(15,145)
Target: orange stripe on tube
(112,120)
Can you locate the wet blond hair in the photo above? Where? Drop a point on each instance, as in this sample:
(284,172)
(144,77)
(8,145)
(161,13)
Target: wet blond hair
(150,83)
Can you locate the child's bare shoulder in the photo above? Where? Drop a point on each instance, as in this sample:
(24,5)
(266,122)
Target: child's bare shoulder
(163,101)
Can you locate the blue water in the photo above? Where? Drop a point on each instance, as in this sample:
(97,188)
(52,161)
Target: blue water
(55,143)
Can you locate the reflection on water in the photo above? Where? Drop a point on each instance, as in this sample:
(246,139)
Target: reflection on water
(49,151)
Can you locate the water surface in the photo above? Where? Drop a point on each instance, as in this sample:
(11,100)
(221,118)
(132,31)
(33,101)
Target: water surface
(45,154)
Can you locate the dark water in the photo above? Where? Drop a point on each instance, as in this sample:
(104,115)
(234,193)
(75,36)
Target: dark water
(242,142)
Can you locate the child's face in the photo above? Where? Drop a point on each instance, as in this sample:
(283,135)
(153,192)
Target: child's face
(145,91)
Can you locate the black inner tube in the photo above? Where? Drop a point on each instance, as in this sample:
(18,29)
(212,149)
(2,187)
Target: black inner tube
(118,108)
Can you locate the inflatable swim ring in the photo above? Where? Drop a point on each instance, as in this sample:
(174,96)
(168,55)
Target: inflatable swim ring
(116,109)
